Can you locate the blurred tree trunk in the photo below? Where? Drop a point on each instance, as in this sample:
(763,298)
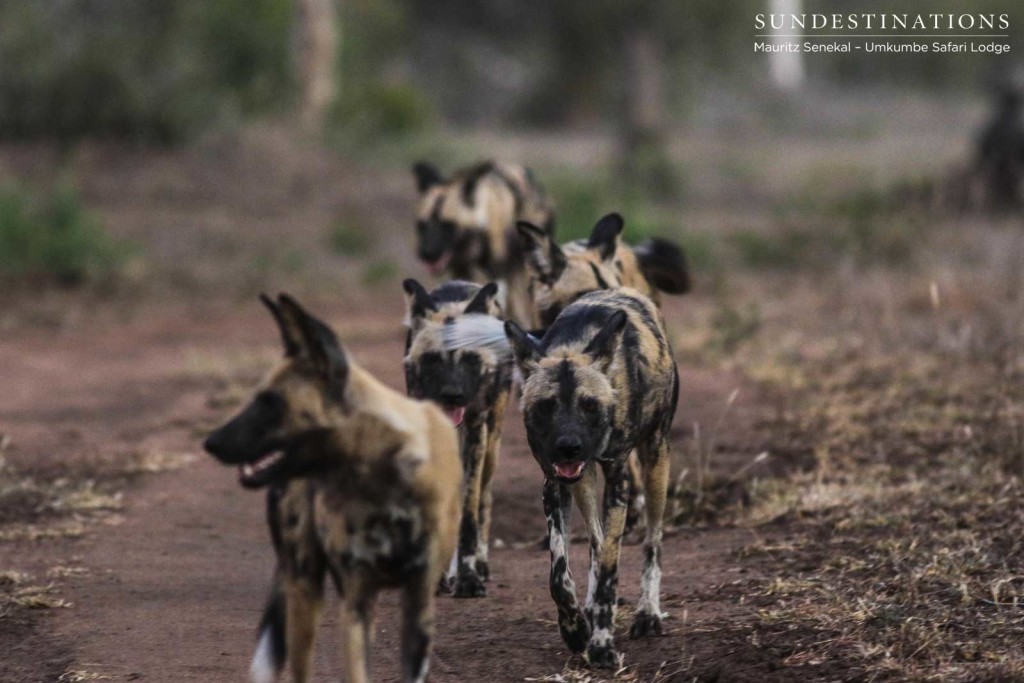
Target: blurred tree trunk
(642,146)
(787,68)
(316,54)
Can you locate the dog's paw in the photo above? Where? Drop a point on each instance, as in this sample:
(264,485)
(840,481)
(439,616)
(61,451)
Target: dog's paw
(483,570)
(645,624)
(444,586)
(575,630)
(602,657)
(469,585)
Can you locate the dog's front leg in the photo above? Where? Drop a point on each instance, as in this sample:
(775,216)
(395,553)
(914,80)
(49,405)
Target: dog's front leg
(636,492)
(584,492)
(571,622)
(357,630)
(303,597)
(468,583)
(648,615)
(495,422)
(417,627)
(601,648)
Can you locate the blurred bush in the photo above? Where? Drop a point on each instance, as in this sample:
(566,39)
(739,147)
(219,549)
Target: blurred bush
(144,70)
(52,237)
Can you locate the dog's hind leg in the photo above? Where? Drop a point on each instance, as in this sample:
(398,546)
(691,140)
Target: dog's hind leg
(571,622)
(417,627)
(648,616)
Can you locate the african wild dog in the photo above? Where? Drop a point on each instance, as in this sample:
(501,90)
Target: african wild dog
(561,275)
(363,485)
(465,225)
(472,386)
(600,383)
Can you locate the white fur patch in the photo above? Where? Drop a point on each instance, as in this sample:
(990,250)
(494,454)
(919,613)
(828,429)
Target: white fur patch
(475,331)
(262,668)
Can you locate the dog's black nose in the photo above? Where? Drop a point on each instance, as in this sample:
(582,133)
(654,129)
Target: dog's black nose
(212,444)
(568,446)
(452,396)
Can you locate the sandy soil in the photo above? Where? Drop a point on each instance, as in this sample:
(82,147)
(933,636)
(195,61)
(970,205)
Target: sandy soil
(172,585)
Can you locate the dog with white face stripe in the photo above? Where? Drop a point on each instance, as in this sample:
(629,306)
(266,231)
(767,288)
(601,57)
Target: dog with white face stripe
(472,386)
(601,382)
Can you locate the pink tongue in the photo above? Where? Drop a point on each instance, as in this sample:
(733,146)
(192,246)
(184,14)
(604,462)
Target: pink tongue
(569,470)
(456,415)
(439,265)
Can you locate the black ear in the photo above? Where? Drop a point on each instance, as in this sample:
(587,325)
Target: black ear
(602,346)
(524,348)
(543,255)
(417,299)
(605,235)
(664,264)
(427,176)
(319,345)
(481,303)
(472,180)
(291,336)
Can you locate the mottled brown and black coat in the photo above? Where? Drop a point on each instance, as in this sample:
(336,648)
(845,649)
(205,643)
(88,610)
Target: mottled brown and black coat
(599,384)
(472,386)
(561,274)
(465,226)
(363,486)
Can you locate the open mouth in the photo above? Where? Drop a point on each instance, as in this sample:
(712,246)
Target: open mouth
(439,264)
(455,414)
(569,471)
(256,474)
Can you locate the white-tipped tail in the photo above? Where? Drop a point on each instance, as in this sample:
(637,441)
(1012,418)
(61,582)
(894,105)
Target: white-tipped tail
(477,331)
(262,669)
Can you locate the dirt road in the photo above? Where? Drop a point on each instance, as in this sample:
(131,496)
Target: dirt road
(170,587)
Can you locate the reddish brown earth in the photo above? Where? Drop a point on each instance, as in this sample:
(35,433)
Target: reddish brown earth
(175,583)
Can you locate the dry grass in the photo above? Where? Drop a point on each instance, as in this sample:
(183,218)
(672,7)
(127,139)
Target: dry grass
(900,554)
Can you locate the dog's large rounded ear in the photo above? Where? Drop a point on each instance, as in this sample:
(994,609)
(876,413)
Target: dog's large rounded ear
(319,345)
(604,238)
(524,348)
(544,257)
(427,176)
(483,301)
(291,336)
(417,300)
(602,347)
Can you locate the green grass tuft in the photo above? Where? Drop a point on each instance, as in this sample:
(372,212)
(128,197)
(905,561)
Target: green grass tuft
(348,240)
(54,237)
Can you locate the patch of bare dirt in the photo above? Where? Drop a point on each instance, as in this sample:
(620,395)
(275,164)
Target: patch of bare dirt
(173,580)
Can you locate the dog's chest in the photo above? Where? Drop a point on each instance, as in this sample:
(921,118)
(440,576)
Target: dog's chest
(388,540)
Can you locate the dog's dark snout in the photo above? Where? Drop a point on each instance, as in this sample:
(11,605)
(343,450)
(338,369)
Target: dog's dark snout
(568,447)
(452,396)
(213,444)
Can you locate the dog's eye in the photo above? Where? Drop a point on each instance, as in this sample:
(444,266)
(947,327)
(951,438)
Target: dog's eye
(271,404)
(544,407)
(589,405)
